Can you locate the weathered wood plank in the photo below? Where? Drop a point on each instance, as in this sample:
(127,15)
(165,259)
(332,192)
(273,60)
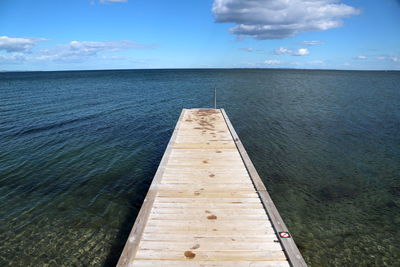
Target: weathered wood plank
(203,217)
(236,237)
(221,211)
(271,255)
(208,206)
(200,201)
(209,230)
(207,187)
(198,193)
(209,224)
(189,263)
(207,245)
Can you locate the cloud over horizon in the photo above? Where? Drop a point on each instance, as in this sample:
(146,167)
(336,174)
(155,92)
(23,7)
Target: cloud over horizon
(361,57)
(14,44)
(312,43)
(113,1)
(13,58)
(297,52)
(272,62)
(19,50)
(81,50)
(89,47)
(278,19)
(247,49)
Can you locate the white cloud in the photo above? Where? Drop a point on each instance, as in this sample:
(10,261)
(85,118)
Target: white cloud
(389,57)
(272,62)
(297,52)
(301,52)
(77,51)
(247,49)
(312,43)
(90,48)
(13,58)
(13,44)
(113,1)
(266,19)
(395,59)
(249,64)
(316,62)
(282,50)
(361,57)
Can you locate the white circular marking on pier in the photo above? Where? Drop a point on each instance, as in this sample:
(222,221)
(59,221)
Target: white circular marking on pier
(284,234)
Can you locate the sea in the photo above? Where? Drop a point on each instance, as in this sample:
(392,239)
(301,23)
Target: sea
(79,149)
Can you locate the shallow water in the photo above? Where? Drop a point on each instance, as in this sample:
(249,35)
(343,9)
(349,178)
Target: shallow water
(78,151)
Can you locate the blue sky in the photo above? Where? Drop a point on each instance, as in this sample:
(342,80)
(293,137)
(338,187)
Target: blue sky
(130,34)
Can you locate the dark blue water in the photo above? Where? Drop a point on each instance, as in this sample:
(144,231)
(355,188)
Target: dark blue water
(78,151)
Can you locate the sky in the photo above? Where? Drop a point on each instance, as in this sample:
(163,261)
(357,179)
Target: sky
(141,34)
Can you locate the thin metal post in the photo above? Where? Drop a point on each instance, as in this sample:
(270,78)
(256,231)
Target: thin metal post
(215,98)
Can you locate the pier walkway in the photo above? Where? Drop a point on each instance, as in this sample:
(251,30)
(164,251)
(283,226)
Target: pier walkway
(207,206)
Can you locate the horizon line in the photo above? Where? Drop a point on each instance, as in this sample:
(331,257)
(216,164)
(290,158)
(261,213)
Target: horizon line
(199,68)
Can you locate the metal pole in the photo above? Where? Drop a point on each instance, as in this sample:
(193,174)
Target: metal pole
(215,98)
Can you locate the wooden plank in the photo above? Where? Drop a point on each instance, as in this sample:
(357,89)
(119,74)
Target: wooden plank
(209,237)
(198,193)
(208,182)
(207,187)
(250,234)
(221,211)
(203,219)
(289,246)
(266,255)
(211,205)
(184,171)
(231,187)
(189,263)
(203,200)
(209,224)
(207,245)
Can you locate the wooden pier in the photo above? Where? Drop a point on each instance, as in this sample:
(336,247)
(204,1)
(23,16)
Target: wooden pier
(207,206)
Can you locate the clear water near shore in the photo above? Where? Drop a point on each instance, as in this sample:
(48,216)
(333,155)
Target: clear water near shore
(78,151)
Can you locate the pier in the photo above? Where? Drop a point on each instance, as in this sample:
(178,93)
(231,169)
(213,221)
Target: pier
(207,205)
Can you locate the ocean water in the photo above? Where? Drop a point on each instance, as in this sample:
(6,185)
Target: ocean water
(78,151)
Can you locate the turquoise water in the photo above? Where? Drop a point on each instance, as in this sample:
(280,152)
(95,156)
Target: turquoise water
(78,151)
